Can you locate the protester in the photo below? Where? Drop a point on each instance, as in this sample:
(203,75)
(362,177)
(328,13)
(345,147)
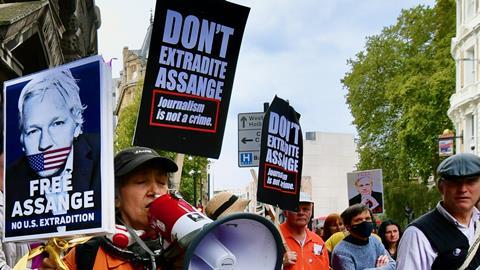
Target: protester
(390,233)
(319,230)
(333,223)
(224,204)
(305,249)
(333,240)
(441,238)
(141,175)
(360,250)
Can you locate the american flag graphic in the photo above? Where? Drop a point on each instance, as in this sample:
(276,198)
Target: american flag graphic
(48,160)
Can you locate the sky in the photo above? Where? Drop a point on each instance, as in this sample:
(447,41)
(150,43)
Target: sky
(295,49)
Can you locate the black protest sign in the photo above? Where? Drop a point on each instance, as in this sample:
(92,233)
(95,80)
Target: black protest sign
(281,153)
(189,78)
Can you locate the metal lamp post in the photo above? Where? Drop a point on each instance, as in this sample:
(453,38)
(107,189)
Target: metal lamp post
(194,174)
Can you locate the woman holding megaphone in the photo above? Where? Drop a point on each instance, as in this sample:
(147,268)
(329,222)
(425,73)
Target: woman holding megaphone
(156,230)
(141,175)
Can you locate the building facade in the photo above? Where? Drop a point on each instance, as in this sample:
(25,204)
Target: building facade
(133,71)
(327,158)
(36,35)
(465,102)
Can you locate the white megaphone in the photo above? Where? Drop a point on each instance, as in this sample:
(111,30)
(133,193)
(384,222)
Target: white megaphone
(238,241)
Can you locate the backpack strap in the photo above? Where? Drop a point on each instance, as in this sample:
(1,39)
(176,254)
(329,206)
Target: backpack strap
(472,251)
(86,253)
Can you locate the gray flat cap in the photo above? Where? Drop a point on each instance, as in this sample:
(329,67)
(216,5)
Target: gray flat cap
(459,166)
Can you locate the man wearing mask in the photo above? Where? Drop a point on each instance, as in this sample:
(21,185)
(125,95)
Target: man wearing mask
(305,249)
(442,238)
(360,250)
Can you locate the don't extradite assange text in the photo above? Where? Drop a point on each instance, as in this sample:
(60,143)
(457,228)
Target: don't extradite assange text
(280,166)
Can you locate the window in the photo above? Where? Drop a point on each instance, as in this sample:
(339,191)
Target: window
(470,9)
(469,64)
(132,74)
(310,136)
(459,14)
(470,137)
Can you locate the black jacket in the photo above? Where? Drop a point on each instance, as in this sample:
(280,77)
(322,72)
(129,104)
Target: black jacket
(376,195)
(448,241)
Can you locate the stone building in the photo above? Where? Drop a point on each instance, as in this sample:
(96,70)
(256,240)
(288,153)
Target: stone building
(35,35)
(133,71)
(465,102)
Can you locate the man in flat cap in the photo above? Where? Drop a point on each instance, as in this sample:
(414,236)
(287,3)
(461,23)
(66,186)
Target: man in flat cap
(446,237)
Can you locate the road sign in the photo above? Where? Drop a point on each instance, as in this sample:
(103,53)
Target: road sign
(249,133)
(248,159)
(252,120)
(249,139)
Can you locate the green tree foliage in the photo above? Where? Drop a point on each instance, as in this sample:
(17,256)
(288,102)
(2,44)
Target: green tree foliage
(194,168)
(124,137)
(398,93)
(420,199)
(127,120)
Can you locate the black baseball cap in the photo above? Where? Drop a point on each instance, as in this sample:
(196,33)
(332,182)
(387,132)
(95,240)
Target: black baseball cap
(131,158)
(463,165)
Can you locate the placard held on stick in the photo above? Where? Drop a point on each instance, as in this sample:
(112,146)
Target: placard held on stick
(281,156)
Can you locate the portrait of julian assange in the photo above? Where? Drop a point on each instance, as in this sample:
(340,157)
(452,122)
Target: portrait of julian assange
(364,184)
(53,177)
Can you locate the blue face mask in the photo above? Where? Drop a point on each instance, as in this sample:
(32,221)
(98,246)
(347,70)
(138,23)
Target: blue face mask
(363,229)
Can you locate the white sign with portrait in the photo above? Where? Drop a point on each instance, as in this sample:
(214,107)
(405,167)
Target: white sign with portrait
(59,152)
(366,187)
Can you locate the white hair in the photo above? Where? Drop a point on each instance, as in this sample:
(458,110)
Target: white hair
(60,80)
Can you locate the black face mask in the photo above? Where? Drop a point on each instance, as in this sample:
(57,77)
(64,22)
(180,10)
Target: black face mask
(363,229)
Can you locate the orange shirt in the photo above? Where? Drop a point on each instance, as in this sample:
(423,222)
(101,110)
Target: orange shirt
(313,254)
(103,261)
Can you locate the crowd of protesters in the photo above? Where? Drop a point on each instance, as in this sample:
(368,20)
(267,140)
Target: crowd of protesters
(447,237)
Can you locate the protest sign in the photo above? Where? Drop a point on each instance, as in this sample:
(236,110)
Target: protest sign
(281,155)
(59,152)
(366,187)
(189,77)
